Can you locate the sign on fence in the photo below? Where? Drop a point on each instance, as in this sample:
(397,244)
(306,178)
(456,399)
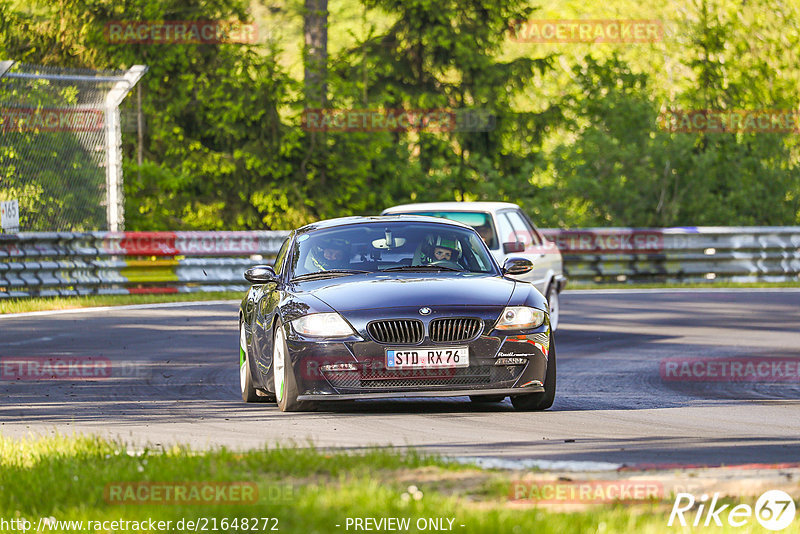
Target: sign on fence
(9,215)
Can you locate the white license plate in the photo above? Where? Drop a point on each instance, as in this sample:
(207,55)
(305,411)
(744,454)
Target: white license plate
(427,358)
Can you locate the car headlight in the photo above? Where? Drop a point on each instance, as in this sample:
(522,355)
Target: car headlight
(330,325)
(520,318)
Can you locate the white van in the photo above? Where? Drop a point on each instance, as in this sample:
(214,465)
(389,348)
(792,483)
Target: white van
(507,231)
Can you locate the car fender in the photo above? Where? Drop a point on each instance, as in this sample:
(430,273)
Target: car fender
(526,294)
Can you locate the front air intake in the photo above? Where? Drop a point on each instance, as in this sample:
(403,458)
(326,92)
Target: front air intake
(396,331)
(455,330)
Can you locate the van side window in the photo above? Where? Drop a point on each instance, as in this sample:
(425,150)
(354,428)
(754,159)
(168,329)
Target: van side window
(522,229)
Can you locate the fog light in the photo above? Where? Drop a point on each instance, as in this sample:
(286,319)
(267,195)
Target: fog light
(338,367)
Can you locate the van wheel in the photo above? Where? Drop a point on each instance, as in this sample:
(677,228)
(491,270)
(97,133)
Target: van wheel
(552,302)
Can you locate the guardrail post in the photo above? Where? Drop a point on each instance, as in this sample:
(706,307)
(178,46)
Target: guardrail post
(115,208)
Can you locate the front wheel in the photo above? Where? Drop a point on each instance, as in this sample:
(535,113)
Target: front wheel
(542,400)
(283,376)
(245,374)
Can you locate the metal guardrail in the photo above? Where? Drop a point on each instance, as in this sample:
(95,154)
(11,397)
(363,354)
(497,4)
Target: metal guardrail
(688,254)
(50,264)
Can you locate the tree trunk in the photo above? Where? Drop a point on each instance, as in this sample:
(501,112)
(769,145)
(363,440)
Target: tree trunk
(315,56)
(316,52)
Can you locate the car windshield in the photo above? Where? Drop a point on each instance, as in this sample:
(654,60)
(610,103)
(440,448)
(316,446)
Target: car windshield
(480,221)
(390,246)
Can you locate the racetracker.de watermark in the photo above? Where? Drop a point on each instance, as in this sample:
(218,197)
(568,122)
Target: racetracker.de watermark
(586,491)
(188,493)
(147,524)
(586,31)
(730,121)
(180,32)
(24,119)
(398,120)
(740,369)
(24,368)
(618,241)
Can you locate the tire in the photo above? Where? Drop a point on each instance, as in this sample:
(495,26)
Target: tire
(543,400)
(484,399)
(554,306)
(245,372)
(283,376)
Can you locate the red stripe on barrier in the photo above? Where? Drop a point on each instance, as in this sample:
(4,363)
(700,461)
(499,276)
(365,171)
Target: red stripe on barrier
(149,244)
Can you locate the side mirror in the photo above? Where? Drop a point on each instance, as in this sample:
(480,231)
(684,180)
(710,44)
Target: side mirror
(260,274)
(517,266)
(516,246)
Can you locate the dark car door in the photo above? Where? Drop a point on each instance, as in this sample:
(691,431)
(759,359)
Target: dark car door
(267,299)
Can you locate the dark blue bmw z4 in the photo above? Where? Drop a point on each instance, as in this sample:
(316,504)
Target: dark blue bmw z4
(389,307)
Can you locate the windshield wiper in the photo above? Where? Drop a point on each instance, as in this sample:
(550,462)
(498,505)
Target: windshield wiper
(333,272)
(421,268)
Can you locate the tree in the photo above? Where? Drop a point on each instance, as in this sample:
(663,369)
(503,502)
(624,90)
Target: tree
(217,155)
(438,55)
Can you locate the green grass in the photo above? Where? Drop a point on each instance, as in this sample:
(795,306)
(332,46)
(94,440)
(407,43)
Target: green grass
(20,305)
(307,490)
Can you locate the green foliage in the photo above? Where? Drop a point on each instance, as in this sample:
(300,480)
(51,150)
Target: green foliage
(440,55)
(215,143)
(51,174)
(575,139)
(620,169)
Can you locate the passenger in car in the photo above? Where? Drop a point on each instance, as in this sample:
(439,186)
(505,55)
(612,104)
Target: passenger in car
(486,234)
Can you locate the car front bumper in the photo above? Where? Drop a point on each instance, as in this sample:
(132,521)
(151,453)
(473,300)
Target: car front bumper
(533,388)
(362,371)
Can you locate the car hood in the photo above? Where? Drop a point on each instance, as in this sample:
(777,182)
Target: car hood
(372,291)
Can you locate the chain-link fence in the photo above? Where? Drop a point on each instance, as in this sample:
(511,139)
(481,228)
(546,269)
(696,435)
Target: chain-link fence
(60,153)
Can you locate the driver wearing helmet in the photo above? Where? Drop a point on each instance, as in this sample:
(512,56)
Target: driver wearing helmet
(331,254)
(445,249)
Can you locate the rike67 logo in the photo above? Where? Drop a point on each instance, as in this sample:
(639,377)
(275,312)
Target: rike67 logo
(774,510)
